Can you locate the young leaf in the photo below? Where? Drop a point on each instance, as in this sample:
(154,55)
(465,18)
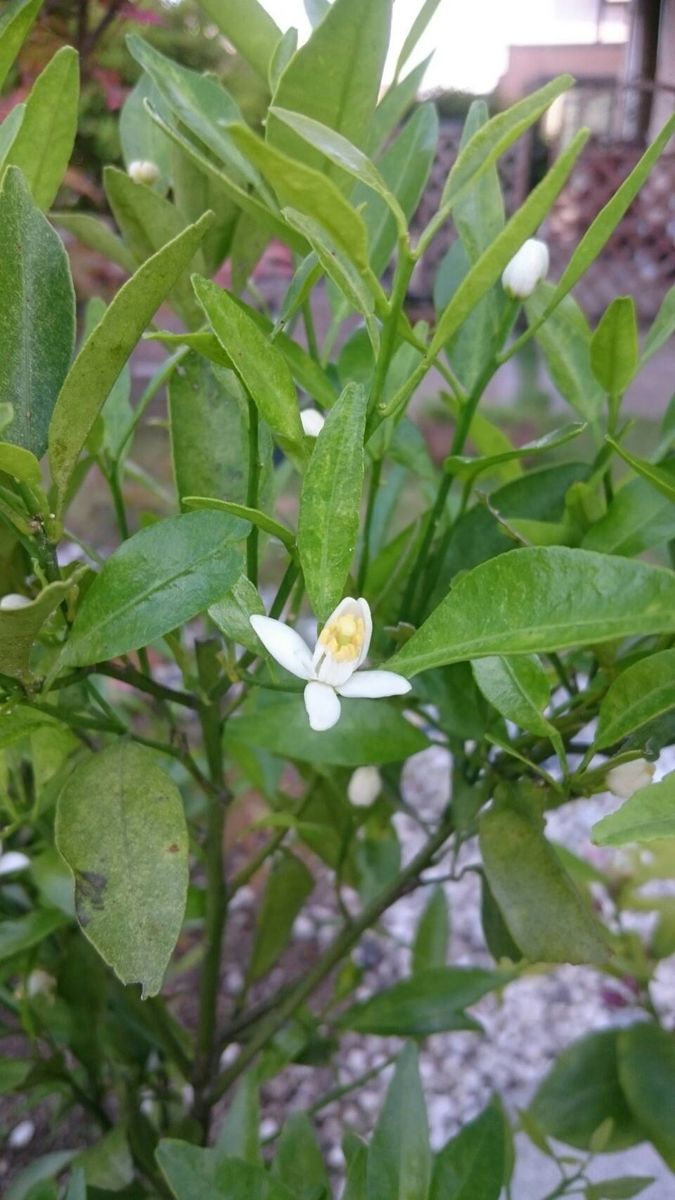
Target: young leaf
(44,143)
(20,627)
(239,1134)
(335,78)
(288,886)
(581,1091)
(161,577)
(649,814)
(431,1001)
(614,347)
(366,734)
(108,347)
(20,464)
(647,1075)
(393,107)
(298,1162)
(424,16)
(641,693)
(538,599)
(250,29)
(549,919)
(565,340)
(470,468)
(471,1165)
(261,519)
(15,22)
(131,869)
(657,476)
(399,1159)
(231,614)
(519,689)
(37,315)
(623,1188)
(328,522)
(95,233)
(261,367)
(430,947)
(405,168)
(662,327)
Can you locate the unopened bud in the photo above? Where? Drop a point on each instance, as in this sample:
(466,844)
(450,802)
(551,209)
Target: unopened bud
(526,269)
(629,777)
(364,786)
(312,422)
(142,170)
(13,861)
(12,600)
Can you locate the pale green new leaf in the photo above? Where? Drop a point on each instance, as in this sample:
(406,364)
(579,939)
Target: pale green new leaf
(422,19)
(250,29)
(95,233)
(565,340)
(120,827)
(641,693)
(108,347)
(44,143)
(614,347)
(648,814)
(657,476)
(662,327)
(328,523)
(393,107)
(20,627)
(538,599)
(470,468)
(15,22)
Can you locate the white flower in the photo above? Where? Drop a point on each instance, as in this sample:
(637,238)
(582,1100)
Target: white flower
(526,269)
(330,670)
(364,786)
(312,422)
(142,170)
(12,601)
(40,983)
(629,777)
(21,1135)
(12,861)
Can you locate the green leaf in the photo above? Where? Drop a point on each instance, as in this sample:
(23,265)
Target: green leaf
(254,515)
(195,1173)
(335,78)
(648,814)
(422,19)
(430,947)
(618,1189)
(565,340)
(298,1162)
(37,315)
(239,1134)
(19,723)
(288,886)
(636,519)
(662,327)
(581,1091)
(393,107)
(131,867)
(108,347)
(20,628)
(431,1001)
(657,476)
(9,130)
(488,268)
(328,522)
(480,334)
(31,930)
(147,222)
(519,689)
(26,1184)
(260,366)
(160,578)
(479,214)
(95,233)
(44,143)
(496,932)
(141,139)
(549,919)
(367,733)
(20,464)
(77,1187)
(209,442)
(471,1165)
(641,693)
(602,227)
(470,468)
(614,347)
(647,1075)
(250,29)
(405,167)
(399,1159)
(231,614)
(307,190)
(15,22)
(539,599)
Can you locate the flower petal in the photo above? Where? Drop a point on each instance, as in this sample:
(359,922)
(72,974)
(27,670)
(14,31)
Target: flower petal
(368,625)
(370,685)
(323,706)
(13,861)
(285,645)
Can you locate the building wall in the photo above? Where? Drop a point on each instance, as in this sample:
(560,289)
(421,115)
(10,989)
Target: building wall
(530,66)
(664,101)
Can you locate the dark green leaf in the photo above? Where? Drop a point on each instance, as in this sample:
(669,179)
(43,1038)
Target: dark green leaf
(288,886)
(565,340)
(194,1173)
(37,315)
(399,1158)
(647,1075)
(121,828)
(25,932)
(209,444)
(618,1189)
(163,576)
(298,1162)
(471,1165)
(431,1001)
(328,522)
(239,1134)
(637,519)
(614,347)
(430,947)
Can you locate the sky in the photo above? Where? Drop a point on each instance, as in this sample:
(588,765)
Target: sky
(470,37)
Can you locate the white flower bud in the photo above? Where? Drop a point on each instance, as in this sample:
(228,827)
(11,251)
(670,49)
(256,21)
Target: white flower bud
(629,777)
(13,861)
(12,601)
(21,1135)
(364,786)
(312,422)
(526,269)
(40,983)
(142,170)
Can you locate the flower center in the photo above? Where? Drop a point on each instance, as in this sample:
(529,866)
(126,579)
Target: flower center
(342,638)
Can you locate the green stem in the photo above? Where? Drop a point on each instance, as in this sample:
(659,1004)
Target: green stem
(404,267)
(340,947)
(113,479)
(310,331)
(144,683)
(252,491)
(373,487)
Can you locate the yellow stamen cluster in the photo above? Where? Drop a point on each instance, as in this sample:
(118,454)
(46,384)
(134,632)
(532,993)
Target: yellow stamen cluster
(342,638)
